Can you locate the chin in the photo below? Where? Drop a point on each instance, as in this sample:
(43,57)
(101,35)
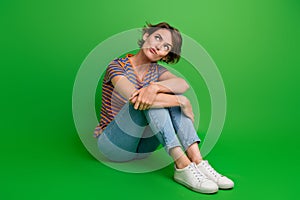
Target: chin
(152,57)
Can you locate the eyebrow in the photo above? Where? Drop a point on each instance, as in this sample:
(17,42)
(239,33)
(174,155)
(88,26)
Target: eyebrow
(163,38)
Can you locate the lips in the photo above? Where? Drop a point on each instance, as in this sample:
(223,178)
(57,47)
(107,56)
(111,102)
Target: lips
(152,50)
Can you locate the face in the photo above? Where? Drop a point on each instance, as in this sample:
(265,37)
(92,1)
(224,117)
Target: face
(157,45)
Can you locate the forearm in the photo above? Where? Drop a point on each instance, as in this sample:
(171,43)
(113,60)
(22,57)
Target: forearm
(163,100)
(123,86)
(173,85)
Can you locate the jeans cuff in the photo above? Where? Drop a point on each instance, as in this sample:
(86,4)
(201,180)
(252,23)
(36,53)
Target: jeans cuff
(190,142)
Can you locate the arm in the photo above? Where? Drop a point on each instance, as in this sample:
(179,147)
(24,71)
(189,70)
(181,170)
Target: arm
(153,96)
(163,100)
(123,86)
(159,100)
(169,100)
(170,83)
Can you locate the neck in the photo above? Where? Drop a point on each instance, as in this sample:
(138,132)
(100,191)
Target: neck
(140,60)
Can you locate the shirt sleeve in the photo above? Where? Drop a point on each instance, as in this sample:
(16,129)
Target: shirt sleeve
(161,70)
(114,69)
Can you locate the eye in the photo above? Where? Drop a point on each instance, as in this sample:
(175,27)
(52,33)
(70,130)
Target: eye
(157,37)
(166,47)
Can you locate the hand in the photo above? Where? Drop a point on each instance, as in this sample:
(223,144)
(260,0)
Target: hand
(144,98)
(186,108)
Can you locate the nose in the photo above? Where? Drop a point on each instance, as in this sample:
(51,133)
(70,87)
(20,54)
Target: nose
(158,46)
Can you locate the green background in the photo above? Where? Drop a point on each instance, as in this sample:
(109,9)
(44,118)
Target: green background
(255,45)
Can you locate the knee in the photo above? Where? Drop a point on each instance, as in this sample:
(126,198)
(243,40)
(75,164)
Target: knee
(179,117)
(159,116)
(157,112)
(137,116)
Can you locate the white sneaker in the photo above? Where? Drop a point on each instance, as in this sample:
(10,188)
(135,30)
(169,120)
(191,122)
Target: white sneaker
(192,178)
(222,181)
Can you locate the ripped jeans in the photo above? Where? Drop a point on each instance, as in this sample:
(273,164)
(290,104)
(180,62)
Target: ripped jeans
(134,134)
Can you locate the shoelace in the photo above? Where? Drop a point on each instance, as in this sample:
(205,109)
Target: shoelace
(211,169)
(197,173)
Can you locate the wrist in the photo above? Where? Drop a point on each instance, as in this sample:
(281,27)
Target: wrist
(155,86)
(183,101)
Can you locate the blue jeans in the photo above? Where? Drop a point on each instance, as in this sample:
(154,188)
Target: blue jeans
(134,134)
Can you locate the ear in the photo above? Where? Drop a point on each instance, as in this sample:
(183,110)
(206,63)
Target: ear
(145,36)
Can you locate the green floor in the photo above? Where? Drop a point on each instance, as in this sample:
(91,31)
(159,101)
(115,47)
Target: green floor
(255,45)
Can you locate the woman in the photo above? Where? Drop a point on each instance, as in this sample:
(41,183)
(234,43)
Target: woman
(143,106)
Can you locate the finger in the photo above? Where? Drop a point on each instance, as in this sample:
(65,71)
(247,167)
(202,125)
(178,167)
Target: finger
(148,107)
(140,106)
(132,97)
(137,104)
(141,94)
(133,100)
(135,94)
(143,106)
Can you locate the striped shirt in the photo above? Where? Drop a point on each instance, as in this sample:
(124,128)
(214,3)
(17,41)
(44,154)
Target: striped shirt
(112,101)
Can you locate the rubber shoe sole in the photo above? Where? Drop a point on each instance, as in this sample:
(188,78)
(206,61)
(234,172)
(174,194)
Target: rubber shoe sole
(204,190)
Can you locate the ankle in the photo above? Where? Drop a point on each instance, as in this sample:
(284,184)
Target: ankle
(197,161)
(182,162)
(182,165)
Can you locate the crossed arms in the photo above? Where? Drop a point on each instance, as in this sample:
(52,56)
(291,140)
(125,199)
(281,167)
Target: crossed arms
(163,93)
